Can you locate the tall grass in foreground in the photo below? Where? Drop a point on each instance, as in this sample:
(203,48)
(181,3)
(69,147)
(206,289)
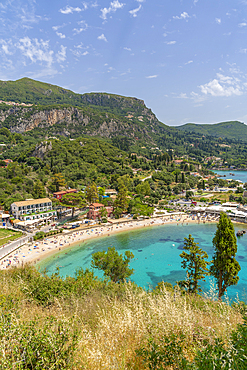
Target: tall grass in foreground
(83,323)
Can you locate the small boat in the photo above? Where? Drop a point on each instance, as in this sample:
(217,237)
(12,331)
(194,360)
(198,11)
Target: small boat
(139,250)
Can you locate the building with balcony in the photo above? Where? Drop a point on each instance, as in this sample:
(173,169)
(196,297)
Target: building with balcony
(33,209)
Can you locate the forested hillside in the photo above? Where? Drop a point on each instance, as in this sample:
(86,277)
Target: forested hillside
(230,130)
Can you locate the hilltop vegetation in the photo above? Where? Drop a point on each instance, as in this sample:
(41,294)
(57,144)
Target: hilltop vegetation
(124,122)
(29,91)
(230,130)
(87,323)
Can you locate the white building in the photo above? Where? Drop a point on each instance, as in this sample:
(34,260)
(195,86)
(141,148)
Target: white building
(33,209)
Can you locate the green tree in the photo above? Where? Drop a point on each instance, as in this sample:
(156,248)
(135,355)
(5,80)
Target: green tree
(92,193)
(189,194)
(195,264)
(224,267)
(114,265)
(121,202)
(74,200)
(126,181)
(58,181)
(38,190)
(183,177)
(143,188)
(103,212)
(142,209)
(101,190)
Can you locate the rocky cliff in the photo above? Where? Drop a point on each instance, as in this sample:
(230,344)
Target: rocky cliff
(103,115)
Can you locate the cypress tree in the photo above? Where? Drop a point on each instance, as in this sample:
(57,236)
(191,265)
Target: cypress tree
(225,268)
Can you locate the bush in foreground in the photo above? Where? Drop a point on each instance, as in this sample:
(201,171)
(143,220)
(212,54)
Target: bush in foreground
(88,323)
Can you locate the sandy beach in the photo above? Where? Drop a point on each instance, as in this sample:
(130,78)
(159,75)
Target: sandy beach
(36,251)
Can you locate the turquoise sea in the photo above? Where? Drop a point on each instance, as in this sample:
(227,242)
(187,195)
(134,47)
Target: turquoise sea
(238,175)
(156,250)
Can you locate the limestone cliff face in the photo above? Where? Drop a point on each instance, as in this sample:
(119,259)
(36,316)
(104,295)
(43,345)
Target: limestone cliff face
(133,119)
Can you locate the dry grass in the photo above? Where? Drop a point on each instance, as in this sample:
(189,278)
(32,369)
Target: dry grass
(112,329)
(123,326)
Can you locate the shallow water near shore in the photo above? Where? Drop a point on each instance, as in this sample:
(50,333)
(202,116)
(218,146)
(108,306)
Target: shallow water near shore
(156,250)
(233,174)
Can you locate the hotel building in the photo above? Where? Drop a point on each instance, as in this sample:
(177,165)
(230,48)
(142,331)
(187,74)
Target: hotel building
(33,209)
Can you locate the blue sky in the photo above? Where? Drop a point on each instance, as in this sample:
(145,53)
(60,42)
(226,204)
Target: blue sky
(187,59)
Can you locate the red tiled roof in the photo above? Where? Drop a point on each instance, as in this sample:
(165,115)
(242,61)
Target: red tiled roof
(65,192)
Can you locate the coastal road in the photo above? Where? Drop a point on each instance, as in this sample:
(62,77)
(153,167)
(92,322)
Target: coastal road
(14,245)
(7,249)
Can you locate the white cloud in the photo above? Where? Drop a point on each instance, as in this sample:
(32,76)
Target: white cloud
(83,27)
(128,49)
(218,20)
(5,47)
(197,98)
(102,37)
(85,5)
(189,62)
(244,24)
(42,73)
(153,76)
(184,15)
(115,4)
(56,28)
(70,10)
(80,50)
(35,50)
(135,11)
(227,79)
(61,55)
(61,35)
(171,42)
(183,96)
(220,87)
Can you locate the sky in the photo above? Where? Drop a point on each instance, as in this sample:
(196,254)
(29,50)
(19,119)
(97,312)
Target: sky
(187,59)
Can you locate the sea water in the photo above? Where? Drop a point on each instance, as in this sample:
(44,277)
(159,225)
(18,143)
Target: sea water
(237,175)
(156,252)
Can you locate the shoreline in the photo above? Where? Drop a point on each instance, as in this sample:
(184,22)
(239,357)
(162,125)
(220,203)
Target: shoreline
(38,251)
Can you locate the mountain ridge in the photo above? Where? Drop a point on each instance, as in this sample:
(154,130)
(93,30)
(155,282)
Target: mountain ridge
(59,111)
(229,129)
(62,112)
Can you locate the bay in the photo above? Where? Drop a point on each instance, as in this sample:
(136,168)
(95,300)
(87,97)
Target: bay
(156,250)
(237,175)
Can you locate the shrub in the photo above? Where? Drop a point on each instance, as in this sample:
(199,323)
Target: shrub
(28,346)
